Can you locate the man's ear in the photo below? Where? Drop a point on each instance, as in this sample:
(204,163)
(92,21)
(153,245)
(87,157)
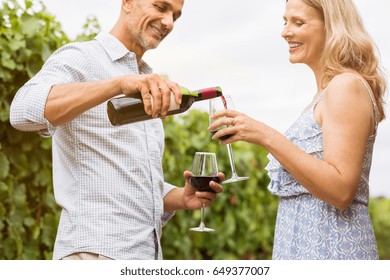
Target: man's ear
(126,5)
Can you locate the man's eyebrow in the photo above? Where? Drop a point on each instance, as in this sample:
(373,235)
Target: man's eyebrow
(167,4)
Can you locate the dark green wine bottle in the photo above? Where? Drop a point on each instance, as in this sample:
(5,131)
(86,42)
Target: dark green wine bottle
(125,109)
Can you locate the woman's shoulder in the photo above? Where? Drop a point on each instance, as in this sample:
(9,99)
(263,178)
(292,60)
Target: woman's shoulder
(347,79)
(347,84)
(349,92)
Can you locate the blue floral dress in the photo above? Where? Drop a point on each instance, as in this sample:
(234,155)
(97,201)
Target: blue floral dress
(309,228)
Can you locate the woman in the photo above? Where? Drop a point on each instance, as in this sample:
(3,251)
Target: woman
(320,167)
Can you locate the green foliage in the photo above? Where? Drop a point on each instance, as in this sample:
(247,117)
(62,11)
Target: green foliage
(380,214)
(90,29)
(28,213)
(243,215)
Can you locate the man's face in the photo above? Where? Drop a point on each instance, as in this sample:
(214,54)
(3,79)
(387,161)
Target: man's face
(150,21)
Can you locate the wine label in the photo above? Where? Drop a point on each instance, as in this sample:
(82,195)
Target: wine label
(172,106)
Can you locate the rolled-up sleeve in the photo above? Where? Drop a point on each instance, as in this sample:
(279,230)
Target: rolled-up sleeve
(28,109)
(167,215)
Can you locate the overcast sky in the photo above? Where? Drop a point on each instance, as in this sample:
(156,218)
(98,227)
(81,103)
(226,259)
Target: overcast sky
(237,45)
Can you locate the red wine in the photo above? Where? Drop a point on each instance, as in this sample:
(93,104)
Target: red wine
(222,137)
(125,109)
(224,101)
(201,183)
(215,131)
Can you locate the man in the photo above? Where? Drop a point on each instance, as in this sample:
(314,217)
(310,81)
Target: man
(108,180)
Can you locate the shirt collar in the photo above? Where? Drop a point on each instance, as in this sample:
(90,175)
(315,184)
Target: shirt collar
(116,50)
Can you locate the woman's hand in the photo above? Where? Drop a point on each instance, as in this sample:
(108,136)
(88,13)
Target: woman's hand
(240,126)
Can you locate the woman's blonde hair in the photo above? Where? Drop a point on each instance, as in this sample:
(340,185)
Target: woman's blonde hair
(349,46)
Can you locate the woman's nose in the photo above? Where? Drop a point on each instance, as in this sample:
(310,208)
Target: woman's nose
(286,32)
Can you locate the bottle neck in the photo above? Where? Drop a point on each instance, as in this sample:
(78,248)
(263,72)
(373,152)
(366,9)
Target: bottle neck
(185,91)
(203,94)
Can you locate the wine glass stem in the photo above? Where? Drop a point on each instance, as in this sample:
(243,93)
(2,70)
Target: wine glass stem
(201,225)
(231,158)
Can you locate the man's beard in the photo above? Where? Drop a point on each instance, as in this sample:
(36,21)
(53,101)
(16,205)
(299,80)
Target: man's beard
(144,41)
(148,44)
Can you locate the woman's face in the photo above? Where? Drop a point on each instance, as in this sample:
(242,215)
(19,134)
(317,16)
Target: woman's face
(304,31)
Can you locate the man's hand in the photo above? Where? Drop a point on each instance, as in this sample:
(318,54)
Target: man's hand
(194,199)
(156,92)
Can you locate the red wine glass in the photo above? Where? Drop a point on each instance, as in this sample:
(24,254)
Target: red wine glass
(217,104)
(204,170)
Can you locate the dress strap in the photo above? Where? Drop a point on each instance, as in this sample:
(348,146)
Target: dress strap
(319,97)
(371,94)
(312,105)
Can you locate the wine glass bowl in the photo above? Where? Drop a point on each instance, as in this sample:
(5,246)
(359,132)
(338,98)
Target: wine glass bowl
(204,170)
(218,104)
(202,183)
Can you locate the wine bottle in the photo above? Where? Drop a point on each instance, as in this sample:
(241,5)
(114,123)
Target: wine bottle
(125,109)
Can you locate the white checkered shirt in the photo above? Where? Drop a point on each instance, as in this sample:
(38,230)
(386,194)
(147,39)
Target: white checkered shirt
(108,180)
